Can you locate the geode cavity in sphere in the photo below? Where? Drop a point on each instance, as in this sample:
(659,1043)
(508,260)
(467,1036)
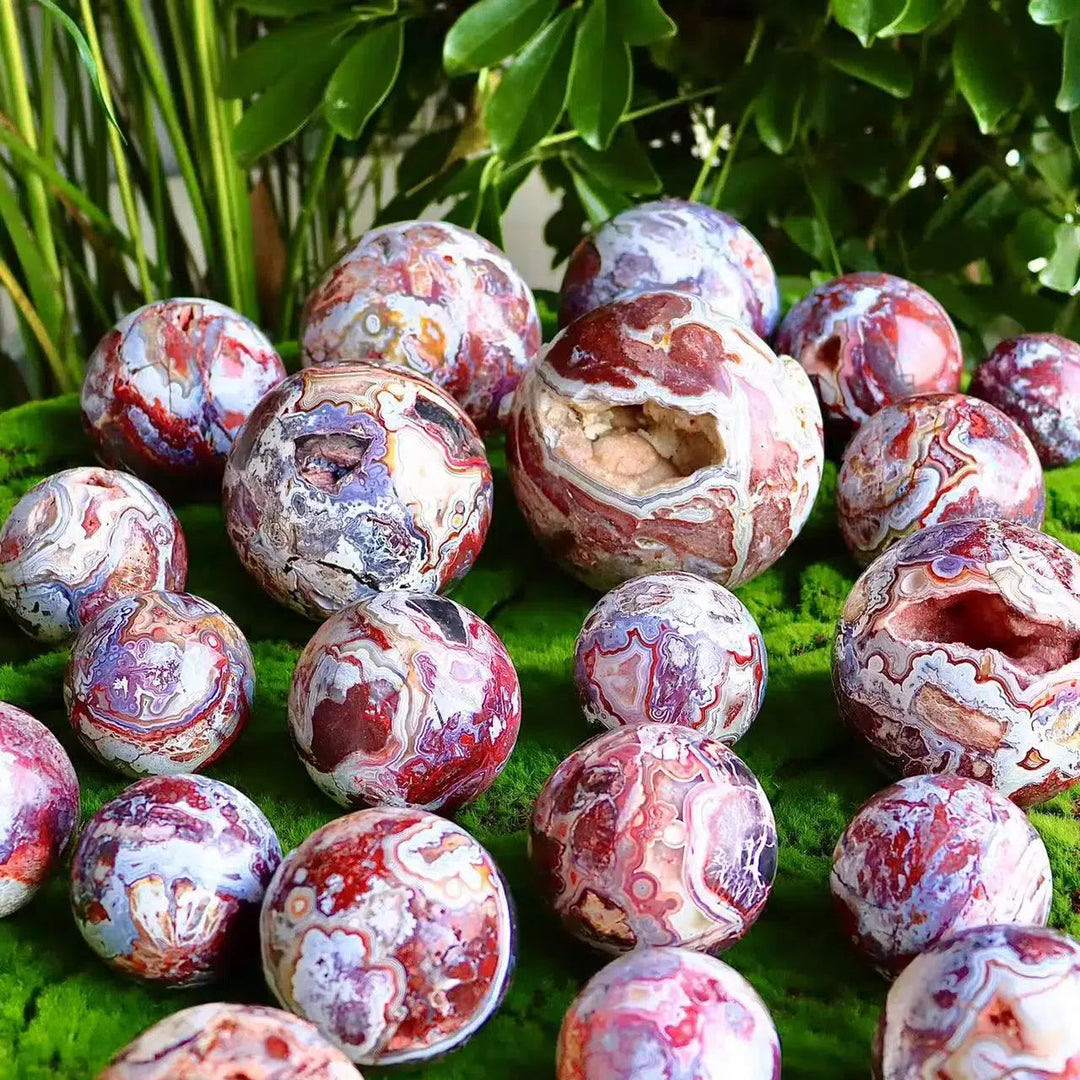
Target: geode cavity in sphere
(353,477)
(655,434)
(957,652)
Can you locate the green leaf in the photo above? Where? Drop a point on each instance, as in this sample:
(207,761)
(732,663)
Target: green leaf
(86,56)
(1069,95)
(641,22)
(601,80)
(290,9)
(492,30)
(880,65)
(601,202)
(1060,274)
(529,99)
(1051,12)
(362,80)
(776,113)
(985,68)
(265,61)
(624,166)
(915,17)
(282,110)
(867,18)
(1074,129)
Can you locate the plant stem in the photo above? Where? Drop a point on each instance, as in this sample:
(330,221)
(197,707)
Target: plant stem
(823,219)
(298,236)
(123,180)
(26,309)
(729,158)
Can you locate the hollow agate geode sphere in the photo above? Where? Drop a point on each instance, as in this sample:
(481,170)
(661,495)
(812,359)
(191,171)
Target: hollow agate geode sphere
(435,297)
(1035,379)
(635,444)
(168,388)
(404,699)
(957,652)
(929,857)
(679,245)
(654,835)
(671,648)
(868,340)
(668,1013)
(991,1002)
(930,459)
(351,477)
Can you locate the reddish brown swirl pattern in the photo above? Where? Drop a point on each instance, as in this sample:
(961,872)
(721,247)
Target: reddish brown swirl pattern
(404,699)
(992,1003)
(654,835)
(78,541)
(166,879)
(221,1041)
(672,648)
(665,1013)
(869,340)
(635,444)
(168,388)
(435,297)
(935,458)
(1035,379)
(958,651)
(353,477)
(39,806)
(679,245)
(159,683)
(391,930)
(933,855)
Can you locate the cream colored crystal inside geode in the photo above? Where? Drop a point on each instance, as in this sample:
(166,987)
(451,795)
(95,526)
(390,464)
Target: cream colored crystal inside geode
(634,449)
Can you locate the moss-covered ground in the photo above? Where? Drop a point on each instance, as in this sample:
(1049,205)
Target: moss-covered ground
(62,1013)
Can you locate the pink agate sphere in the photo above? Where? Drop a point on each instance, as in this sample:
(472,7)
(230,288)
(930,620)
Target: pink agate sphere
(1035,379)
(931,459)
(168,388)
(991,1003)
(958,651)
(668,1013)
(39,806)
(933,855)
(672,648)
(435,297)
(654,835)
(635,444)
(80,540)
(869,340)
(404,699)
(677,245)
(220,1041)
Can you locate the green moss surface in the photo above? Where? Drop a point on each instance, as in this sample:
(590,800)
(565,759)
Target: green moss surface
(63,1013)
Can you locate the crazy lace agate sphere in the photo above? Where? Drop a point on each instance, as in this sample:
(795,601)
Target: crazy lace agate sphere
(39,806)
(991,1002)
(933,855)
(221,1041)
(1035,379)
(667,1013)
(159,683)
(672,648)
(868,340)
(81,539)
(435,297)
(635,444)
(391,930)
(654,835)
(957,652)
(166,879)
(678,245)
(404,699)
(930,459)
(353,477)
(168,388)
